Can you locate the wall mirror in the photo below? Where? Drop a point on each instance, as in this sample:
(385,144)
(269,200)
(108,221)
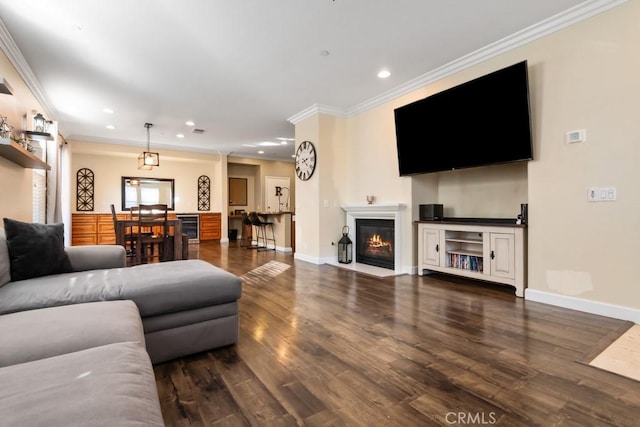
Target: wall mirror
(137,191)
(237,191)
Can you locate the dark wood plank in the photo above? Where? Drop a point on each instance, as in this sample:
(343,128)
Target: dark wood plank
(324,346)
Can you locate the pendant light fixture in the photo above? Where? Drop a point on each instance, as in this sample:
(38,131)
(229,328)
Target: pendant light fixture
(147,160)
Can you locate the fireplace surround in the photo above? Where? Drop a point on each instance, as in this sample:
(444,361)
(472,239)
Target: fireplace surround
(394,212)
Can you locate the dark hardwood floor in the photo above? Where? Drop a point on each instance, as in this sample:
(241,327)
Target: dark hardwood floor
(320,345)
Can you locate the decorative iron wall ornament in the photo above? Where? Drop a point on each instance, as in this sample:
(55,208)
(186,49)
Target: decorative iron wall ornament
(204,193)
(84,190)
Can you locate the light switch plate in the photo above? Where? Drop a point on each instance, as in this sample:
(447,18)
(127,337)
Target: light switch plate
(574,136)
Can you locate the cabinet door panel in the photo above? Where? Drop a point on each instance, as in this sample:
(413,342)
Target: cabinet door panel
(210,226)
(431,247)
(503,257)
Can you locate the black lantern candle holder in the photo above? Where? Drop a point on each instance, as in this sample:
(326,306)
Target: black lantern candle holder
(345,247)
(40,123)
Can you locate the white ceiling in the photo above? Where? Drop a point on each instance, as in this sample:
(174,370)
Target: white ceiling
(240,68)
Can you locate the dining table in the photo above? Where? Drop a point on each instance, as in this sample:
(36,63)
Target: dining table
(175,227)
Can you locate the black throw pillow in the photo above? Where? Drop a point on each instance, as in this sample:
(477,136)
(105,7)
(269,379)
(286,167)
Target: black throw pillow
(35,249)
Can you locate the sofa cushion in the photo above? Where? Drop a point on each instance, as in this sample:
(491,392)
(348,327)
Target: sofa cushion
(156,289)
(35,249)
(37,334)
(175,286)
(111,385)
(5,264)
(96,257)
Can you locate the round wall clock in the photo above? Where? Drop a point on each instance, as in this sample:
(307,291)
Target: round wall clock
(305,160)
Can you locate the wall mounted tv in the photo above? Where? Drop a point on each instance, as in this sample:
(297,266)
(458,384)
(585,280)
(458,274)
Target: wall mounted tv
(481,122)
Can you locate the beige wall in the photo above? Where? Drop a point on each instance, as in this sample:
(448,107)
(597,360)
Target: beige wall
(582,77)
(332,187)
(319,218)
(307,203)
(586,77)
(256,171)
(110,162)
(15,181)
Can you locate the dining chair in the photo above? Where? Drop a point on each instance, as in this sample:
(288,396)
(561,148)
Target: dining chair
(152,237)
(128,238)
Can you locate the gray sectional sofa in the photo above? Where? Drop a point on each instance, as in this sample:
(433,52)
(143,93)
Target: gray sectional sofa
(77,365)
(77,347)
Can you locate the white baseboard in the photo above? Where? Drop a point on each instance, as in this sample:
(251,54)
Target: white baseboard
(588,306)
(306,258)
(580,304)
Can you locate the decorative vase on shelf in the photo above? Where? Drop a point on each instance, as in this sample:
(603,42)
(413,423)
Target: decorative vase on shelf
(5,129)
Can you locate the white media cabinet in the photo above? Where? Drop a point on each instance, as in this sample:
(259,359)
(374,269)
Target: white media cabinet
(490,251)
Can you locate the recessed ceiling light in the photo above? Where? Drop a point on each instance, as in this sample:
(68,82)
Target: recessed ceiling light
(108,110)
(180,135)
(384,74)
(110,127)
(260,152)
(189,123)
(267,144)
(283,143)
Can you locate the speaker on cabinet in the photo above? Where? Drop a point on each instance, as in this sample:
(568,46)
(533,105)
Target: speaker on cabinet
(524,213)
(431,212)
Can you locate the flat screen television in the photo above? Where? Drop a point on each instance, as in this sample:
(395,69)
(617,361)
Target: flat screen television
(484,121)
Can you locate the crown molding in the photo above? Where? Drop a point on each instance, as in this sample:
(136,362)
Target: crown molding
(562,20)
(317,109)
(171,147)
(9,47)
(555,23)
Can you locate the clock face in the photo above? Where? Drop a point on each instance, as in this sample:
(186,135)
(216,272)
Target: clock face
(305,160)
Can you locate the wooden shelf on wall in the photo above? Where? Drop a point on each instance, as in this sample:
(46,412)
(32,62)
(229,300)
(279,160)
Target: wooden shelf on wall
(38,136)
(5,88)
(14,152)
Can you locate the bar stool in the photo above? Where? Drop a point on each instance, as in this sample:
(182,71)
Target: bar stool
(261,231)
(247,234)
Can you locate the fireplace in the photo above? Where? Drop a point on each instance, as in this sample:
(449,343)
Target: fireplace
(374,243)
(394,212)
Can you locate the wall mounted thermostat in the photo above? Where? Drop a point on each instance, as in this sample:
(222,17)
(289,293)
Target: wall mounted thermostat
(574,136)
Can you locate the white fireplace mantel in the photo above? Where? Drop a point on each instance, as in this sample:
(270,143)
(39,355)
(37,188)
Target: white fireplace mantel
(392,207)
(393,211)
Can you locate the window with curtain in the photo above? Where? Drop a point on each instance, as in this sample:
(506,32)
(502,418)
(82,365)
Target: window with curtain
(39,196)
(39,191)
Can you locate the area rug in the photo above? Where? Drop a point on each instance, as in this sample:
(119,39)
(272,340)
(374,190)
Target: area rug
(261,275)
(622,356)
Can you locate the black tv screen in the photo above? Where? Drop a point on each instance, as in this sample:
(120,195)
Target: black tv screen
(481,122)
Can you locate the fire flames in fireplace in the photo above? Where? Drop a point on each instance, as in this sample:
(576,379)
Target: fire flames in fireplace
(377,246)
(375,240)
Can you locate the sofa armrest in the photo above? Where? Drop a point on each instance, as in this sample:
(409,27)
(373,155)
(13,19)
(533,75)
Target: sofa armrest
(95,257)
